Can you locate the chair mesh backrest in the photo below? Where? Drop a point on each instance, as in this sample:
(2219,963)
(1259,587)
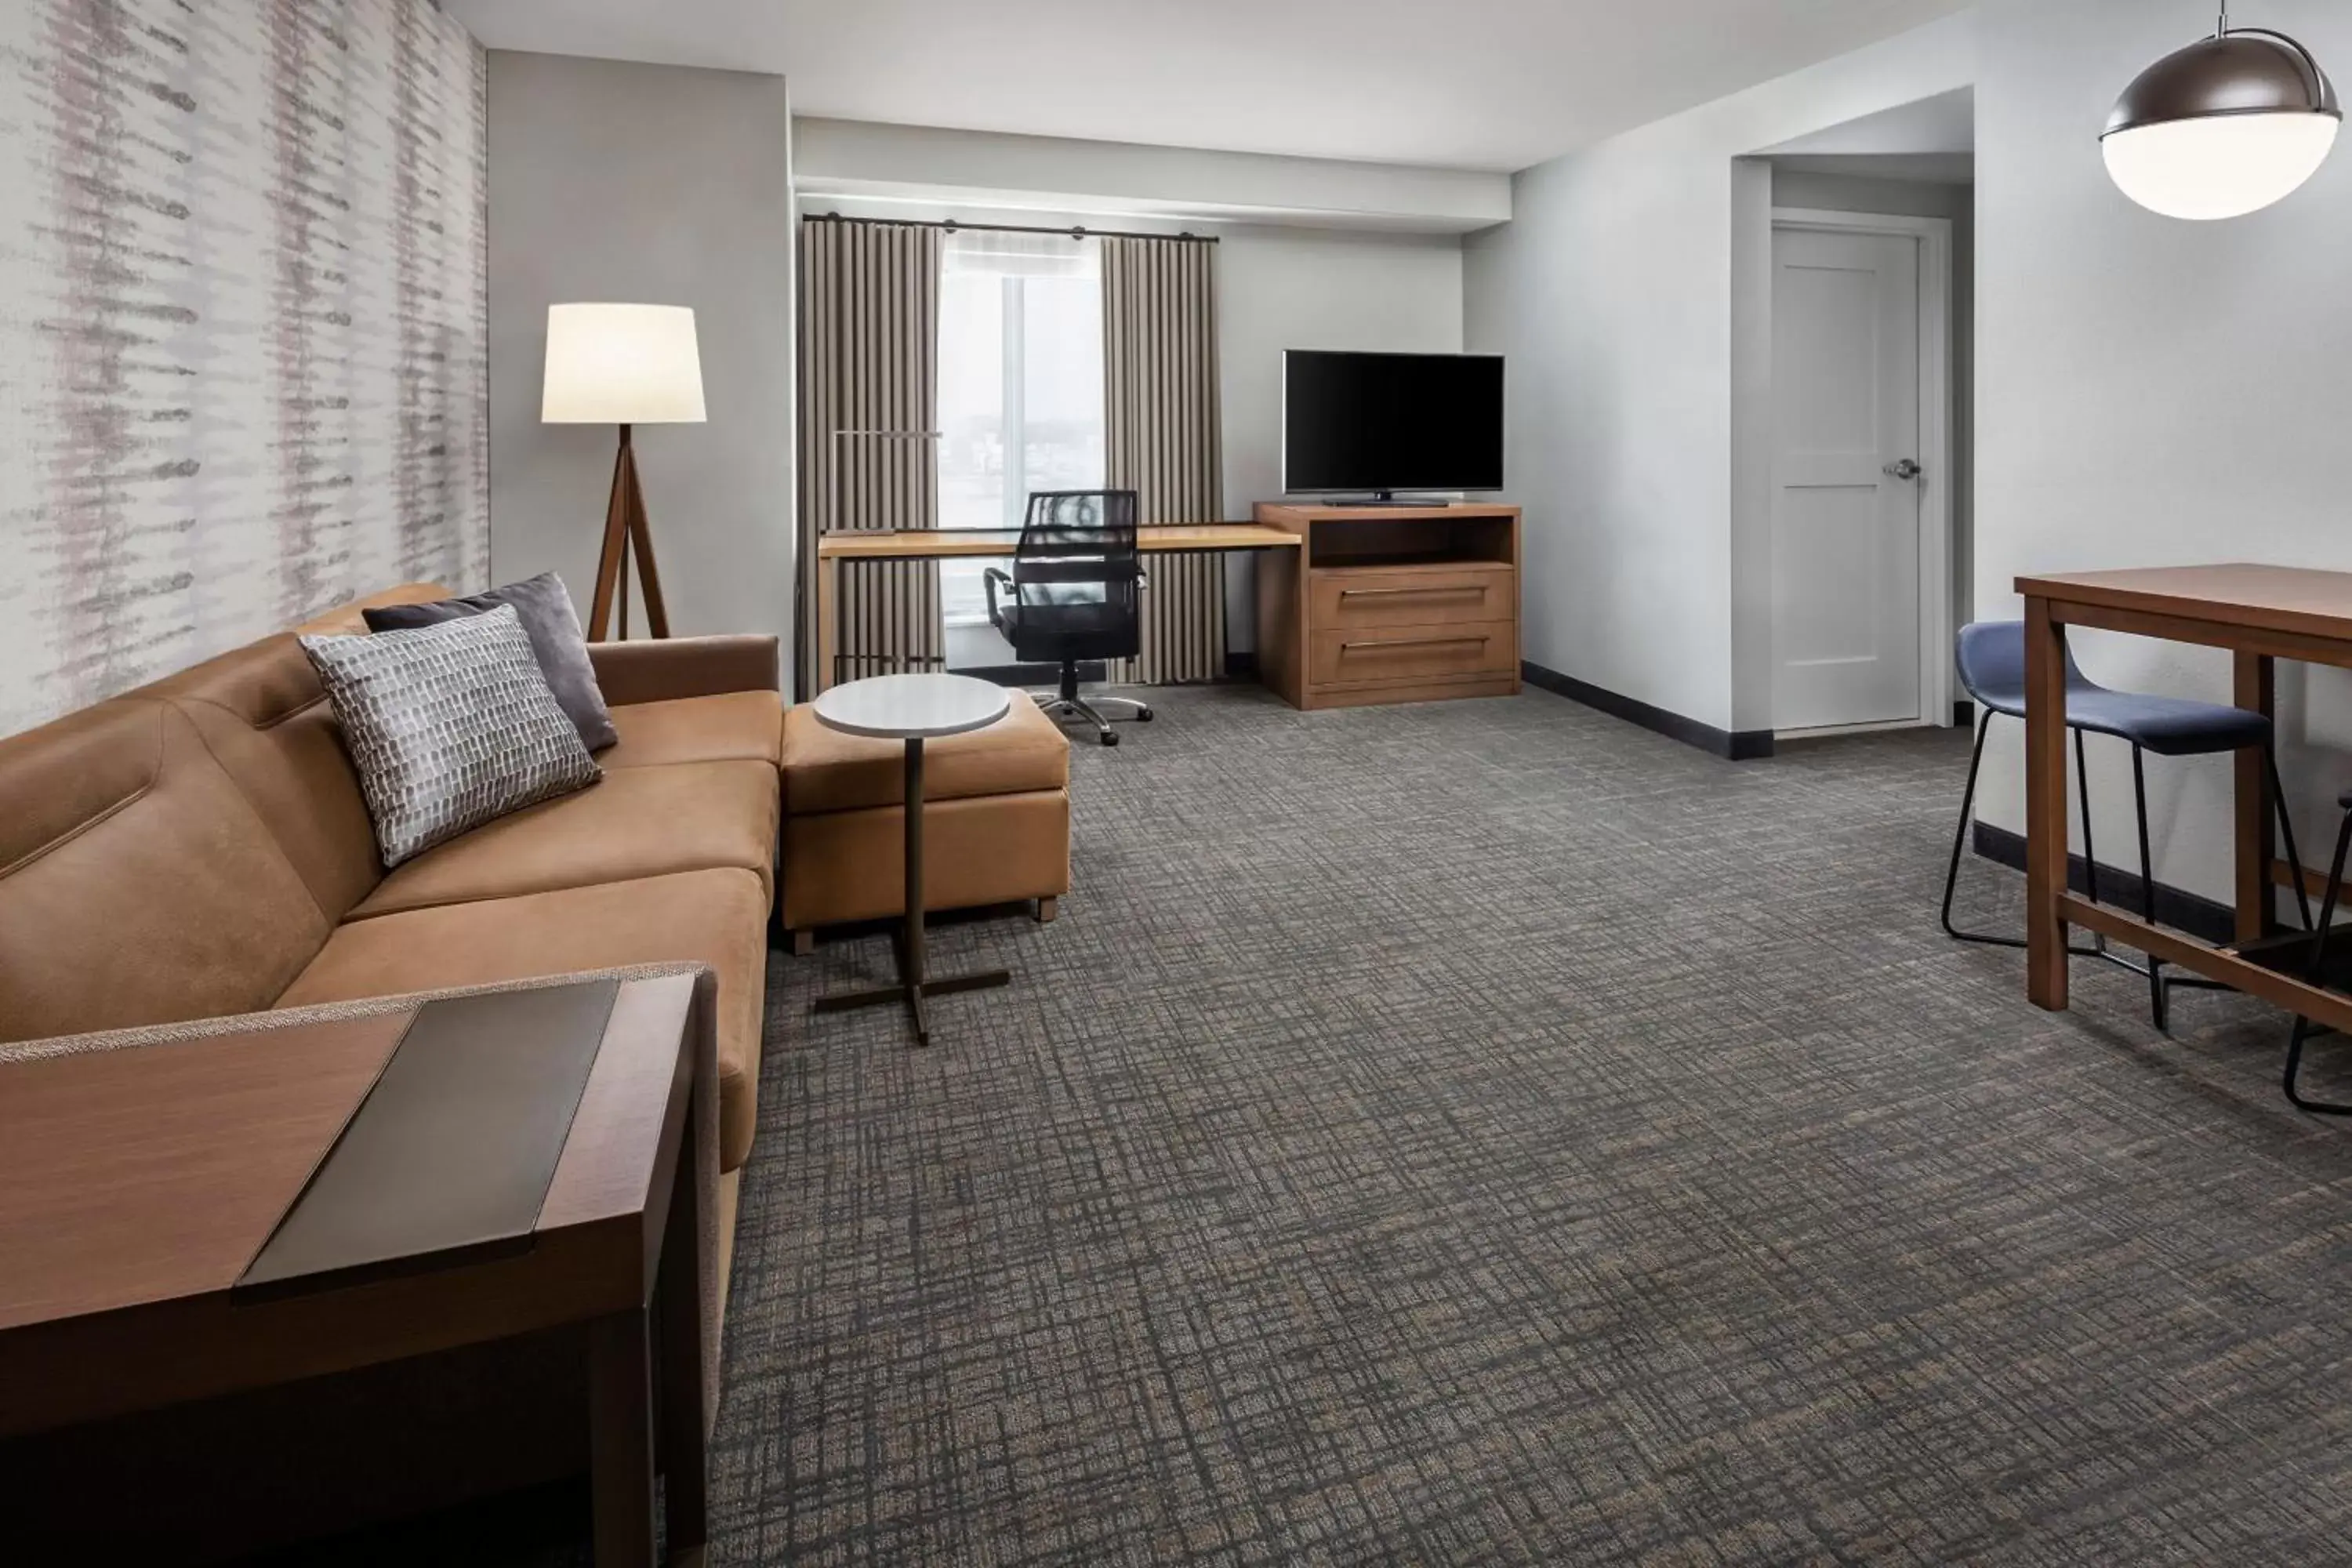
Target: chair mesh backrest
(1075,572)
(1990,656)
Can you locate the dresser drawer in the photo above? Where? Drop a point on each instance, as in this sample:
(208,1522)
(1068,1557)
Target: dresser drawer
(1351,599)
(1390,654)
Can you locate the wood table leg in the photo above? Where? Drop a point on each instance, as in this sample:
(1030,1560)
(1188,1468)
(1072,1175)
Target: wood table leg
(621,1439)
(828,574)
(2045,806)
(2256,687)
(678,1305)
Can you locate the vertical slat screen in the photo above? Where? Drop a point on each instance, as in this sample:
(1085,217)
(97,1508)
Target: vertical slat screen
(1161,440)
(869,312)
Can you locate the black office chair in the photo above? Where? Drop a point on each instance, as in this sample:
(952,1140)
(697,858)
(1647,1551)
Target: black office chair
(1077,575)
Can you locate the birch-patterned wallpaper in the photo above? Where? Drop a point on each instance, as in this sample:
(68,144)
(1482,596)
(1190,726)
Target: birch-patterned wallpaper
(243,326)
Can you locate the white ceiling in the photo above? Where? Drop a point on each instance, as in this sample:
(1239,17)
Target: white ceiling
(1475,84)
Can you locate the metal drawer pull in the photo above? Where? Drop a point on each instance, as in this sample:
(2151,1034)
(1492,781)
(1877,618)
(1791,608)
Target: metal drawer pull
(1416,642)
(1476,588)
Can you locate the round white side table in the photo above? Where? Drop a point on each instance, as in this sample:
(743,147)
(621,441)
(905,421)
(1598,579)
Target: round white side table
(913,709)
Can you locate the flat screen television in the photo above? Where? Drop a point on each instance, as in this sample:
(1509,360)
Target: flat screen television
(1378,424)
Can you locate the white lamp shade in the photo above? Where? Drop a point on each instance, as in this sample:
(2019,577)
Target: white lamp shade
(2223,166)
(622,364)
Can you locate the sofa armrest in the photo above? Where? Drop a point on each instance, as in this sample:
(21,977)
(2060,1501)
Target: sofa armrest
(657,671)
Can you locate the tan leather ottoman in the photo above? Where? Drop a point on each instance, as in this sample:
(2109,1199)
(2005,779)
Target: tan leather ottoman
(996,821)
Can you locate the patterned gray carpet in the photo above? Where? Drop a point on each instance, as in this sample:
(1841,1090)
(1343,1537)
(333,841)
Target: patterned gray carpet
(1491,1133)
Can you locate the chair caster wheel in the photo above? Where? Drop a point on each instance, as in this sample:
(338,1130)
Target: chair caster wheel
(1110,739)
(1143,715)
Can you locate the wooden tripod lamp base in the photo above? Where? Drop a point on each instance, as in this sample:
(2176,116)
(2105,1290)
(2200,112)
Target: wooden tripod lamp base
(624,365)
(625,528)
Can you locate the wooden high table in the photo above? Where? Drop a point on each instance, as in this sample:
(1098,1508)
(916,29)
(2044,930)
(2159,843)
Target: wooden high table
(2261,615)
(193,1217)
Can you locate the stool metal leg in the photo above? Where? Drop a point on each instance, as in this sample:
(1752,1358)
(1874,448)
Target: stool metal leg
(2304,1028)
(2090,855)
(2148,892)
(1960,843)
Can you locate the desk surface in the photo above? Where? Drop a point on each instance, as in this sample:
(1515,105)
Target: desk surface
(2275,599)
(992,543)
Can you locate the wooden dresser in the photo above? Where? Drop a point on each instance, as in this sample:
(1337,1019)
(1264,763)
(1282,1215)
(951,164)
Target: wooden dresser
(1390,604)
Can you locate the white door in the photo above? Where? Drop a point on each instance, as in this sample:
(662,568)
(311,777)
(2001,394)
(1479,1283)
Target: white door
(1846,507)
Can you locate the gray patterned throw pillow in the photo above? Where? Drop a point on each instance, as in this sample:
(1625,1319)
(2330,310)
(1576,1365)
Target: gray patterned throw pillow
(449,726)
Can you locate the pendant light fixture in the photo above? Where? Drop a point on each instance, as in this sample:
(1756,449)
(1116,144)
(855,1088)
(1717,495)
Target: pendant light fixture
(2225,127)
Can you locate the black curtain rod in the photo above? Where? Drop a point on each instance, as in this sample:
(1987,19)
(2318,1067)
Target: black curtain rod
(1076,231)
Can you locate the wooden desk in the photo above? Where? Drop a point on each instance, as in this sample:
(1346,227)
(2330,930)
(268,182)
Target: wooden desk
(2261,613)
(943,544)
(194,1218)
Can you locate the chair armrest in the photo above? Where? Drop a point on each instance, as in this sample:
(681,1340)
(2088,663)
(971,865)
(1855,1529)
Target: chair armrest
(633,672)
(988,580)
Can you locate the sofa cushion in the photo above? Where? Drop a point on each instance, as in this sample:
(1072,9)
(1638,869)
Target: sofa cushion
(544,607)
(984,849)
(640,822)
(450,726)
(265,718)
(137,886)
(717,918)
(826,770)
(734,726)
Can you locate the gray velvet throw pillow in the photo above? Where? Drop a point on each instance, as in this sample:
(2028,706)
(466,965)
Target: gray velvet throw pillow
(547,616)
(449,727)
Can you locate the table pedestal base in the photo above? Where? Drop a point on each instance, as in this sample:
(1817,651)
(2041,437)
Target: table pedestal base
(912,995)
(914,984)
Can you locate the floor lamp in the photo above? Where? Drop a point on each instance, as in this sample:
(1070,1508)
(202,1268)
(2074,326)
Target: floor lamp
(624,365)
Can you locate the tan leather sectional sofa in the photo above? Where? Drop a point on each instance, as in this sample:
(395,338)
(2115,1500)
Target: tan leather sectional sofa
(200,846)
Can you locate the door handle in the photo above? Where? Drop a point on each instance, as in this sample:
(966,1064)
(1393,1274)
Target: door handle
(1906,469)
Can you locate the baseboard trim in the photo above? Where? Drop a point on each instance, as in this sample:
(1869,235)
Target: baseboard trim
(1742,746)
(2177,907)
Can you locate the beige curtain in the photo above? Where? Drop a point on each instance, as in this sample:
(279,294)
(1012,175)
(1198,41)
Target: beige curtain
(870,325)
(1159,417)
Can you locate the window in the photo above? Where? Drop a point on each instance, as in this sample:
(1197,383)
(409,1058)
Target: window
(1021,386)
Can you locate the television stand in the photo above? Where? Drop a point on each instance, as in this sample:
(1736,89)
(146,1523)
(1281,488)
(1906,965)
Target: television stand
(1388,602)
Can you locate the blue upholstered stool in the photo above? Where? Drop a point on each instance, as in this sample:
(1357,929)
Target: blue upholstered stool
(1992,658)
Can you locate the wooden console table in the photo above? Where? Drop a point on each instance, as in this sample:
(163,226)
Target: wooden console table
(195,1217)
(1395,603)
(2261,613)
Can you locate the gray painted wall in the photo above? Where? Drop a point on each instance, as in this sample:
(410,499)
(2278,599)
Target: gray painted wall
(2155,392)
(667,186)
(1622,293)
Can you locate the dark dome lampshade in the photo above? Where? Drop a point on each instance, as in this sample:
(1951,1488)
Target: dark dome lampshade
(2225,127)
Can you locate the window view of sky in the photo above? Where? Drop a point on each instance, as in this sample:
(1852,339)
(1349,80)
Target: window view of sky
(1021,401)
